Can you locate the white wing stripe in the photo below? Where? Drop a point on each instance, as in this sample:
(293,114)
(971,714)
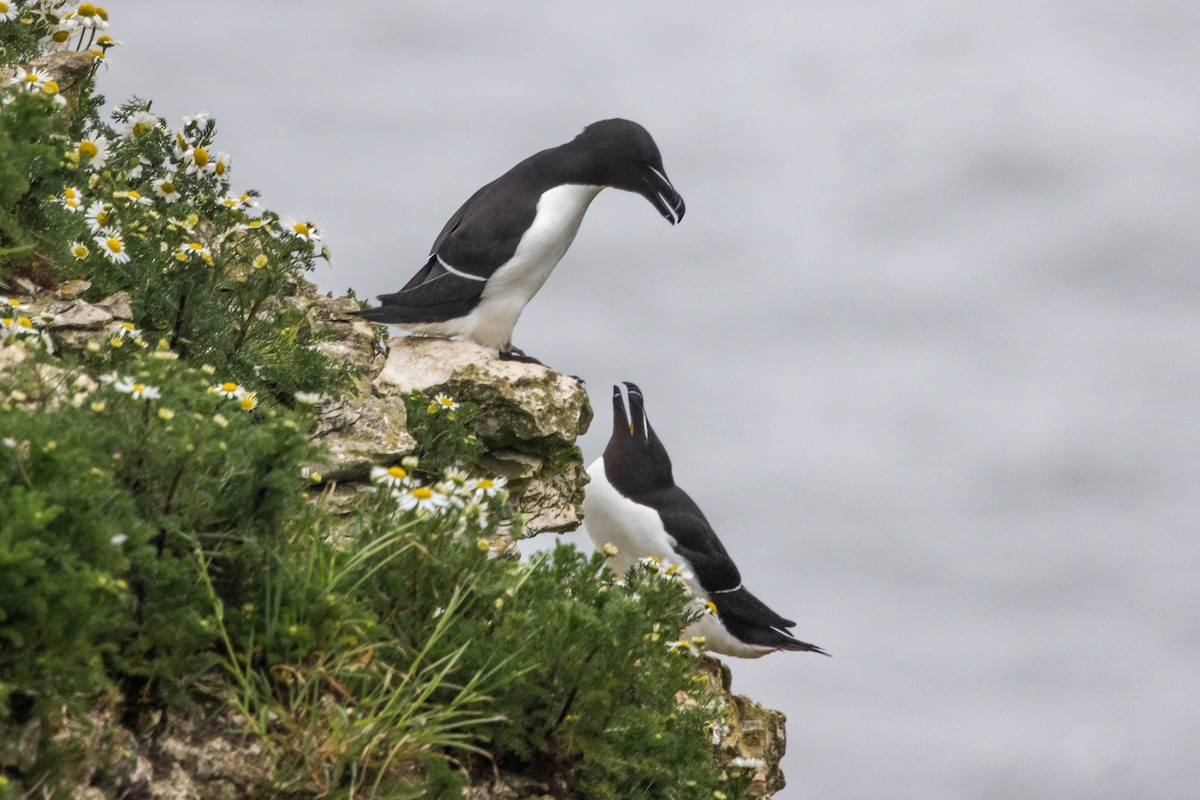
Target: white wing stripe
(458,272)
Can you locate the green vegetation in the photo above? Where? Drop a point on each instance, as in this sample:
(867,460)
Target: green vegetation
(162,553)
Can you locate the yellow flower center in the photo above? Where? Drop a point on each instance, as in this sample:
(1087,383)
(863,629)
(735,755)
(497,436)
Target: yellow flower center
(138,388)
(132,195)
(69,193)
(422,493)
(247,403)
(88,149)
(50,87)
(220,167)
(195,246)
(446,401)
(397,472)
(79,251)
(25,322)
(60,36)
(200,156)
(105,39)
(30,77)
(229,387)
(127,326)
(168,187)
(102,217)
(486,483)
(86,10)
(301,228)
(13,301)
(101,13)
(113,244)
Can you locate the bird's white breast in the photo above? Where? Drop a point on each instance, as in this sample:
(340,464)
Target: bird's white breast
(559,212)
(634,529)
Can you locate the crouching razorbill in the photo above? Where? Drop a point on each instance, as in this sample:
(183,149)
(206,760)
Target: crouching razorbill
(500,247)
(632,503)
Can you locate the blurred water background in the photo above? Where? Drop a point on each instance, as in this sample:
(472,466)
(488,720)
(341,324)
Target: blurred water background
(926,347)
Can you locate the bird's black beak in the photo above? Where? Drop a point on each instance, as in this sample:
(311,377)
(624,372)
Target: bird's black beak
(659,191)
(620,415)
(639,423)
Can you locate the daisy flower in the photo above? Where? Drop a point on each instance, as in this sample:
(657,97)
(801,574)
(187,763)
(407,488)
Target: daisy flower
(220,164)
(136,171)
(50,89)
(166,189)
(228,389)
(31,79)
(113,246)
(8,11)
(71,199)
(138,391)
(392,477)
(59,37)
(133,197)
(79,250)
(21,326)
(489,487)
(422,499)
(197,161)
(685,647)
(98,216)
(249,401)
(126,330)
(95,150)
(141,123)
(304,229)
(90,16)
(12,304)
(195,119)
(651,563)
(237,202)
(193,249)
(444,402)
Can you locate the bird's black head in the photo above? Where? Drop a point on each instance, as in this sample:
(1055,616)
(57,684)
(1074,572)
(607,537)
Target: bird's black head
(623,155)
(635,461)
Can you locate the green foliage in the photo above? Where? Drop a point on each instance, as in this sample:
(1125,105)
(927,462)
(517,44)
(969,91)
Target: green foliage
(442,430)
(31,171)
(589,694)
(103,502)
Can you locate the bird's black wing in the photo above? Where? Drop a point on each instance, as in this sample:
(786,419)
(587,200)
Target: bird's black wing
(696,541)
(476,241)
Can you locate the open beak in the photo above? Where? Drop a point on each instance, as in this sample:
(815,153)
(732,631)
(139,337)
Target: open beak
(662,194)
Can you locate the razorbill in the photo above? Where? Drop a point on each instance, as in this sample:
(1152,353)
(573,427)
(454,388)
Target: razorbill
(632,502)
(498,249)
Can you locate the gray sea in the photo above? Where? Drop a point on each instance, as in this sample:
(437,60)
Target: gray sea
(926,347)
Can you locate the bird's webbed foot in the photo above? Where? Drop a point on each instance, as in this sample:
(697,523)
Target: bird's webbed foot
(510,353)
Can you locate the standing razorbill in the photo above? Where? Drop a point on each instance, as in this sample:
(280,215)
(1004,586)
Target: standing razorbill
(632,502)
(499,248)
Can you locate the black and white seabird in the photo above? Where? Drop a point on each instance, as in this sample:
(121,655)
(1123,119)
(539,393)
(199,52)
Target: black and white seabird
(632,502)
(500,247)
